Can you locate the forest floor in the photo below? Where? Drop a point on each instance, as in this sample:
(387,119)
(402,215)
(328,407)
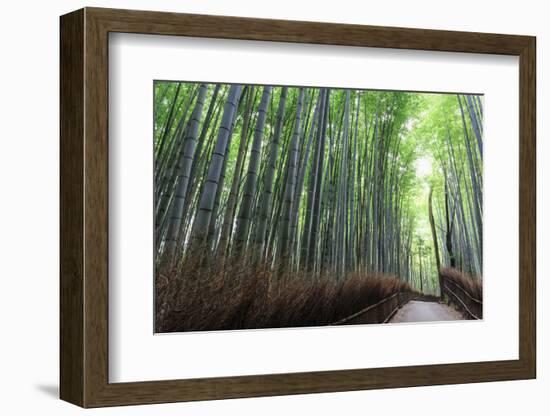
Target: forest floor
(419,311)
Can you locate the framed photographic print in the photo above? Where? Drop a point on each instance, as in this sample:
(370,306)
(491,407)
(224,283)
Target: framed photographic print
(256,207)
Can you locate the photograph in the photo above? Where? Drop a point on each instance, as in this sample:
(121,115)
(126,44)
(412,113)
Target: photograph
(311,206)
(262,203)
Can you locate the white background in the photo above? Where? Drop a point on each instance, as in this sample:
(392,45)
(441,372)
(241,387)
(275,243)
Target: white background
(29,209)
(312,349)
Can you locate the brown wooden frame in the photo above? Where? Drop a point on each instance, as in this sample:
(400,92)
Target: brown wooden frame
(84,208)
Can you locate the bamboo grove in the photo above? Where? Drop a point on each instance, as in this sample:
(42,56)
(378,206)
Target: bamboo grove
(318,182)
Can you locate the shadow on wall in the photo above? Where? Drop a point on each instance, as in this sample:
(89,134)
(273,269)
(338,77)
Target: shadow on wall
(51,390)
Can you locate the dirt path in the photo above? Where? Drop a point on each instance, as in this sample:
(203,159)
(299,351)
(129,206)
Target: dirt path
(417,311)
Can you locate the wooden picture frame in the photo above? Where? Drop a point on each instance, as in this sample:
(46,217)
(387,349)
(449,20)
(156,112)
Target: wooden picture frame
(84,207)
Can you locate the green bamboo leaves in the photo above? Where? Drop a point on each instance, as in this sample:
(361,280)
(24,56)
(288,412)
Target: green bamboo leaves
(318,181)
